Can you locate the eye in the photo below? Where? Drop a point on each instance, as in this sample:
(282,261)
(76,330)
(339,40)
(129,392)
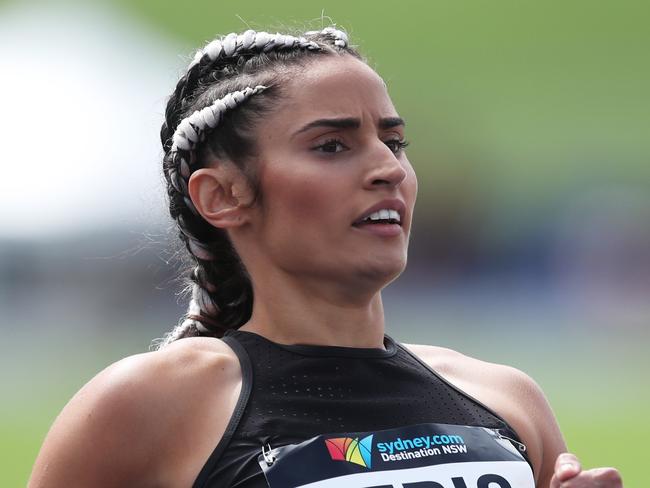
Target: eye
(331,146)
(396,145)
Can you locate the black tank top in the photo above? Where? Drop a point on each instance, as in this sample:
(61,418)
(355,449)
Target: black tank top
(291,393)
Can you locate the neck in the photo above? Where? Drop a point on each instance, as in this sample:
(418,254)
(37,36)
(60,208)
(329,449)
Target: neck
(303,313)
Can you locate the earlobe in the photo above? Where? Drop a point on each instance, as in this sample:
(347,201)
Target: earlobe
(221,194)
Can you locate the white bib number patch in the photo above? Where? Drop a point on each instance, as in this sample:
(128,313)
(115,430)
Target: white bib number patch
(416,456)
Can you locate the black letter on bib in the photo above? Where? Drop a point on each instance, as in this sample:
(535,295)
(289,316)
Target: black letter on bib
(459,483)
(485,481)
(422,484)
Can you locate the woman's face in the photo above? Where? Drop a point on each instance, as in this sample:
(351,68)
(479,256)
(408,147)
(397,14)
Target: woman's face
(330,156)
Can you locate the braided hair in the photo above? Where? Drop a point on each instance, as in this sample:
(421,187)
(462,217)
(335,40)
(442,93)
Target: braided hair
(229,85)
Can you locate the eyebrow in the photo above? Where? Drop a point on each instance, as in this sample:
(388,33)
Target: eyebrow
(350,123)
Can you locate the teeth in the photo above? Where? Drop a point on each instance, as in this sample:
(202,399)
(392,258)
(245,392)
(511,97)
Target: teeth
(384,214)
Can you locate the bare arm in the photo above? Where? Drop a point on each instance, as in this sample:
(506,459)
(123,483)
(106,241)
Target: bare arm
(520,401)
(118,429)
(558,468)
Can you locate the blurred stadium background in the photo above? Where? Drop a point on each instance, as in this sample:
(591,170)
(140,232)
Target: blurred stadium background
(529,124)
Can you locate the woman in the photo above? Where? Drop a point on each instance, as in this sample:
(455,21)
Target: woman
(288,179)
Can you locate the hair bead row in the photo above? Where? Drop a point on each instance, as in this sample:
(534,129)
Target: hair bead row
(250,41)
(191,130)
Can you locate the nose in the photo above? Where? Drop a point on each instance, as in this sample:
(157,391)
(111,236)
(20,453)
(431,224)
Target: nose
(386,171)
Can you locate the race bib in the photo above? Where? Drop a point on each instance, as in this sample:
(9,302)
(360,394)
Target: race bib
(417,456)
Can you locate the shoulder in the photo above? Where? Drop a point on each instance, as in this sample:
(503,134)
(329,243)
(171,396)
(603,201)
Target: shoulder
(510,393)
(453,365)
(119,427)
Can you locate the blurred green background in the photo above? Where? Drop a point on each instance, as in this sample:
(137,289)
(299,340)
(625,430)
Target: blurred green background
(529,125)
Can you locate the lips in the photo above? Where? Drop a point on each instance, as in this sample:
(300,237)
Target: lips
(389,204)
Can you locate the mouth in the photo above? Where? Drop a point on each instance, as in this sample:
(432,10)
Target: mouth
(387,212)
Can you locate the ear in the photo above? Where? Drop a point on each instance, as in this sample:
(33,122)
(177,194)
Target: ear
(221,194)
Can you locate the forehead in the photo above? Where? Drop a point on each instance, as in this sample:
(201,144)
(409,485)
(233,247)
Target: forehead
(334,86)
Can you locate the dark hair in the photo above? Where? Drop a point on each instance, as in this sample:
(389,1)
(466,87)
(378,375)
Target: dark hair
(221,290)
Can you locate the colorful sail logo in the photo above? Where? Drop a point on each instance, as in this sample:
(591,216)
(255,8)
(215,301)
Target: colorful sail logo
(351,450)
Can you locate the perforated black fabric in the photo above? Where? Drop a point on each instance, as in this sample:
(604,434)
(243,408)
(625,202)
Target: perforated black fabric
(298,392)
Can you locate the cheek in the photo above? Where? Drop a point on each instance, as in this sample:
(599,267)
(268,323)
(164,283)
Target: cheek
(413,180)
(409,190)
(300,199)
(410,183)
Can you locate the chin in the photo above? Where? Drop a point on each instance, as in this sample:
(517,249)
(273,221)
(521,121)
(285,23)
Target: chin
(381,273)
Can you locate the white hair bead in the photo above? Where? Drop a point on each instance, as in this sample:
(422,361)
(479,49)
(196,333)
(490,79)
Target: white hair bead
(182,128)
(248,39)
(214,49)
(197,123)
(193,307)
(239,97)
(208,118)
(217,114)
(230,44)
(179,142)
(262,39)
(229,101)
(190,132)
(185,168)
(303,43)
(340,37)
(220,106)
(197,292)
(197,57)
(273,42)
(204,301)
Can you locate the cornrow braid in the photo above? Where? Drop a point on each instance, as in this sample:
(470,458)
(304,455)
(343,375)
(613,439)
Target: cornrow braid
(232,46)
(188,134)
(228,85)
(250,41)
